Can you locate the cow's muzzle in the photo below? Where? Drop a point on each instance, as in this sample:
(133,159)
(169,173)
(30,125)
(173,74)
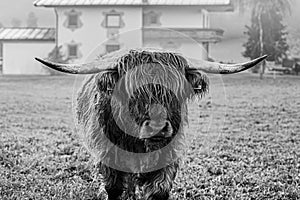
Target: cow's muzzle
(153,129)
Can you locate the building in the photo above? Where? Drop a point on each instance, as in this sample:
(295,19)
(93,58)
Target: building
(107,25)
(19,46)
(182,25)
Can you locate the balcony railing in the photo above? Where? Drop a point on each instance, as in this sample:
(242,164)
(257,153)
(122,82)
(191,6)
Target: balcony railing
(197,34)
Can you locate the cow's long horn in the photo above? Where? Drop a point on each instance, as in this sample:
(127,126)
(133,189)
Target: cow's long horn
(219,68)
(88,68)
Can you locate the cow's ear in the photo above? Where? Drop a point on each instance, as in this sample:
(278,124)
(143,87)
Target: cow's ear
(198,80)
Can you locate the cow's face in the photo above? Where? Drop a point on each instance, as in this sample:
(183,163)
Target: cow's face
(148,101)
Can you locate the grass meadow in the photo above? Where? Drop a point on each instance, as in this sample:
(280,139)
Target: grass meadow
(243,141)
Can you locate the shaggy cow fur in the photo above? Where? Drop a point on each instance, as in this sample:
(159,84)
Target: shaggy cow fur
(111,107)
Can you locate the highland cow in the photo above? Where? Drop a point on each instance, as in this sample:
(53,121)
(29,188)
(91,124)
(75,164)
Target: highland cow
(131,112)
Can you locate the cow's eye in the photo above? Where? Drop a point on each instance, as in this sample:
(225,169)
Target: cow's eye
(109,90)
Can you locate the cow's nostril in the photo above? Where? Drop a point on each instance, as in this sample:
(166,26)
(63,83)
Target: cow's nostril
(147,123)
(167,124)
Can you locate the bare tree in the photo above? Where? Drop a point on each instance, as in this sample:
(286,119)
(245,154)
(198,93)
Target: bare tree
(16,22)
(32,20)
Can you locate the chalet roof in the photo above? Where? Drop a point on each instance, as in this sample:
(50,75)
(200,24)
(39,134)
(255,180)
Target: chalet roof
(54,3)
(27,34)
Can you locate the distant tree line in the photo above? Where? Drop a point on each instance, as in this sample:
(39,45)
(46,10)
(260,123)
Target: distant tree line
(31,21)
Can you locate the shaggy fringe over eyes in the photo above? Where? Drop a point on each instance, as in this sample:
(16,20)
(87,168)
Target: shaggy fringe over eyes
(136,69)
(165,68)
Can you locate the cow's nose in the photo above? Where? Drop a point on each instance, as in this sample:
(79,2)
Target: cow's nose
(152,128)
(156,125)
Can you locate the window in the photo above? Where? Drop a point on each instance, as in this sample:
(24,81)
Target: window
(152,18)
(1,52)
(205,19)
(1,57)
(73,20)
(113,21)
(112,47)
(73,51)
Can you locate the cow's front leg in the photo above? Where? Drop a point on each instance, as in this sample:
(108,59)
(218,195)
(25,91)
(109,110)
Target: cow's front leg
(113,180)
(114,185)
(158,184)
(114,193)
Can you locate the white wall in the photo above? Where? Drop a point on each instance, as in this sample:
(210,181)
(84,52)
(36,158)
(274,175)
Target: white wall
(91,34)
(179,17)
(18,57)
